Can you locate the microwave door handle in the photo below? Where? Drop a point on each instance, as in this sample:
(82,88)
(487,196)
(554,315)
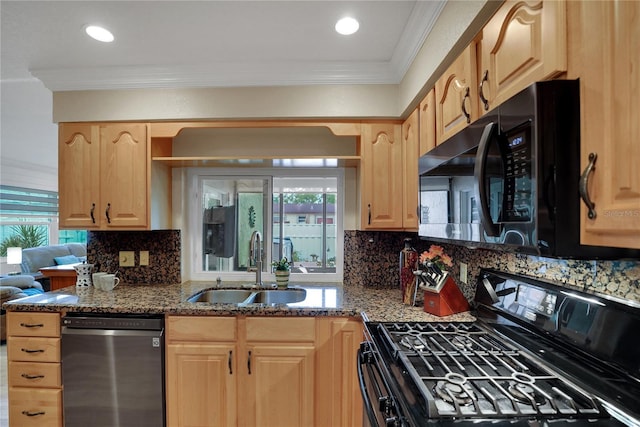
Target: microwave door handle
(492,229)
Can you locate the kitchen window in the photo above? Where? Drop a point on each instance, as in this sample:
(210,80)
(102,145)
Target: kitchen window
(303,206)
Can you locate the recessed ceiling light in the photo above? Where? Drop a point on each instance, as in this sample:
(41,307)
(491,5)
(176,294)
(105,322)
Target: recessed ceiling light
(346,26)
(99,33)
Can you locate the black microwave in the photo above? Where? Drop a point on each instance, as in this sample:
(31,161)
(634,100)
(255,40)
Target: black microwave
(509,181)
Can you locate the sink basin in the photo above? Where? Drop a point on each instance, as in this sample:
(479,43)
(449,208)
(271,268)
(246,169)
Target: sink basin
(248,296)
(222,296)
(285,296)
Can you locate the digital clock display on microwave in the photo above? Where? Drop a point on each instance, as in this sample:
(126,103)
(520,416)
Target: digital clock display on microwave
(516,141)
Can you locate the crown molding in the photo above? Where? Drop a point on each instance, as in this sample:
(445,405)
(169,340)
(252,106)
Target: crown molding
(254,73)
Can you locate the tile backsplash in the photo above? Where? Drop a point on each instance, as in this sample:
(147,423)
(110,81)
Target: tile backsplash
(372,259)
(103,249)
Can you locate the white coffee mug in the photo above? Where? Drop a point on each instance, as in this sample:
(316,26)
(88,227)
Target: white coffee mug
(108,282)
(95,277)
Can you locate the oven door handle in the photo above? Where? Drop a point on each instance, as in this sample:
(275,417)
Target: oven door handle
(363,389)
(385,403)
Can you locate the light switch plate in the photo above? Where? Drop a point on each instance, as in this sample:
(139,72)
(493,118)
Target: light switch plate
(144,257)
(463,273)
(127,259)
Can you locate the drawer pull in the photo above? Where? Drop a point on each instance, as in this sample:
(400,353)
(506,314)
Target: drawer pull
(26,350)
(32,414)
(32,325)
(32,377)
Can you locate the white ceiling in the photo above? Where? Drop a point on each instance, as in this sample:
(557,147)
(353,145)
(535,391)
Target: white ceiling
(163,44)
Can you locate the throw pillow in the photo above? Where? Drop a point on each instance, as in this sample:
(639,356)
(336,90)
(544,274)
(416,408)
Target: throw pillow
(68,259)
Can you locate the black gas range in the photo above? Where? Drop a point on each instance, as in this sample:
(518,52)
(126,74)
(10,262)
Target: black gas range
(538,355)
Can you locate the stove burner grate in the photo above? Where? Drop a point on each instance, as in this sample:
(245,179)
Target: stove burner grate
(461,370)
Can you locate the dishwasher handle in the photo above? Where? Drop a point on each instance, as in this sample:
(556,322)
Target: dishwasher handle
(113,332)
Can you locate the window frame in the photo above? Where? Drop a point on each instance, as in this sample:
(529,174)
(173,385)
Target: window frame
(192,242)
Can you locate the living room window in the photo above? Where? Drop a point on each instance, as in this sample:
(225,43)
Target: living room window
(29,217)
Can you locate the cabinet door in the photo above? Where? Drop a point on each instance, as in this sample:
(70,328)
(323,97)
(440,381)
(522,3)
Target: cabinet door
(524,42)
(201,385)
(607,66)
(456,95)
(278,386)
(124,164)
(336,372)
(381,176)
(79,176)
(428,122)
(410,146)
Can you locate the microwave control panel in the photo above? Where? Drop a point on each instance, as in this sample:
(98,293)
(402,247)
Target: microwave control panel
(518,199)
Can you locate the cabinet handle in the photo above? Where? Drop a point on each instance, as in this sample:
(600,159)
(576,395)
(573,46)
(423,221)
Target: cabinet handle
(32,414)
(485,101)
(230,356)
(249,362)
(32,325)
(26,350)
(464,105)
(107,213)
(583,185)
(32,377)
(93,208)
(369,207)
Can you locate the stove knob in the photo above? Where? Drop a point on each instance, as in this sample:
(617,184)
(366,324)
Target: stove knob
(383,404)
(392,422)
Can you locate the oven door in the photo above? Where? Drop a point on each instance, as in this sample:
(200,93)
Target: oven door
(379,405)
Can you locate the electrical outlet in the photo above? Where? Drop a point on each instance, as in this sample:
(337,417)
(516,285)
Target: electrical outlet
(127,259)
(463,273)
(144,257)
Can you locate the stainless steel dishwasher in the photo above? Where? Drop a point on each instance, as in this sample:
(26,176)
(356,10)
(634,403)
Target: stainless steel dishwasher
(113,371)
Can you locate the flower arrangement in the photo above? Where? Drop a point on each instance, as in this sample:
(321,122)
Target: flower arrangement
(436,255)
(282,265)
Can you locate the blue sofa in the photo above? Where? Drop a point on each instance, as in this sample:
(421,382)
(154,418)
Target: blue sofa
(33,259)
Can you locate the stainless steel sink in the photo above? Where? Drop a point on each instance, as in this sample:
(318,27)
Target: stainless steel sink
(222,296)
(284,296)
(248,296)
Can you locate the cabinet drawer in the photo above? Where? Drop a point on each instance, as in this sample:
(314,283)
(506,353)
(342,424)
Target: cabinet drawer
(33,324)
(201,328)
(32,374)
(35,407)
(281,329)
(25,349)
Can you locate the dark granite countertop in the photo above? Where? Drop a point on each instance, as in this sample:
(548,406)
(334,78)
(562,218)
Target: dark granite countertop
(323,299)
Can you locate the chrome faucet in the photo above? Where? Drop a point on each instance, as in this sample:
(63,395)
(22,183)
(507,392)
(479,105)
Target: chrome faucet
(255,256)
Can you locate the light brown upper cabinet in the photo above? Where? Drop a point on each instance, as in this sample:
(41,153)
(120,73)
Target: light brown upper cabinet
(381,176)
(103,176)
(428,122)
(456,95)
(410,145)
(524,42)
(604,53)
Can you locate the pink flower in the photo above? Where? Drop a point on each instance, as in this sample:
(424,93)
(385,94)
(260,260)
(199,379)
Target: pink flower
(436,255)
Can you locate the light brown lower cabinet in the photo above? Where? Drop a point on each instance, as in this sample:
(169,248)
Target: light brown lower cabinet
(262,371)
(33,354)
